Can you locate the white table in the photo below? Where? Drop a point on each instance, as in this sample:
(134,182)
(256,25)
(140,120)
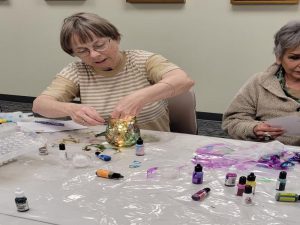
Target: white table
(58,193)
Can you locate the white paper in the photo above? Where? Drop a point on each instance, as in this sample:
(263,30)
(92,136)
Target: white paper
(44,128)
(291,124)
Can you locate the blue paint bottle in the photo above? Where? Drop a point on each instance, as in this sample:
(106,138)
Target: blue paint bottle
(197,175)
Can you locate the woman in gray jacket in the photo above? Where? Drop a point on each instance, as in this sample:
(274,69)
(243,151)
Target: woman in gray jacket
(272,93)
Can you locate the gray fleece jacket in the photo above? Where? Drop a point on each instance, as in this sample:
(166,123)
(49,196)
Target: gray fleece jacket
(260,99)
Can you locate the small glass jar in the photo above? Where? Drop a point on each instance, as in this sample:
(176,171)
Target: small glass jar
(122,132)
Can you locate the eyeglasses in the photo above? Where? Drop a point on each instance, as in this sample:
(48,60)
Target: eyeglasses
(98,47)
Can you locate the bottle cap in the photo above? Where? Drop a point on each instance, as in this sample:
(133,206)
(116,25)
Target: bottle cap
(62,146)
(139,141)
(206,190)
(198,168)
(282,175)
(248,189)
(242,180)
(116,176)
(19,193)
(251,177)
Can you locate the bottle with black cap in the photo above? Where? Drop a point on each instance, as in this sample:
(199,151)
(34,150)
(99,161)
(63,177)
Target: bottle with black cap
(251,181)
(281,181)
(241,186)
(62,151)
(197,174)
(248,195)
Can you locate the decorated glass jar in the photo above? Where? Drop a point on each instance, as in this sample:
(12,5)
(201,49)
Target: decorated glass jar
(122,132)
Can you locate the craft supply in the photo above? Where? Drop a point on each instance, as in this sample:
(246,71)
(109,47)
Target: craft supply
(197,174)
(251,181)
(43,150)
(21,201)
(241,186)
(53,123)
(62,151)
(248,195)
(108,174)
(103,157)
(139,147)
(230,179)
(200,195)
(287,197)
(281,181)
(122,132)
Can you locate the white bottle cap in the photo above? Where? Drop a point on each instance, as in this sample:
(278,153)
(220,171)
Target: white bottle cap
(19,193)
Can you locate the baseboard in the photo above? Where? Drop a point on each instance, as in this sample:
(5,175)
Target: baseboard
(209,116)
(28,99)
(16,98)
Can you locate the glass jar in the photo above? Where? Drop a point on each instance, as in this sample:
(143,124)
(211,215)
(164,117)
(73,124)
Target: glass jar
(122,132)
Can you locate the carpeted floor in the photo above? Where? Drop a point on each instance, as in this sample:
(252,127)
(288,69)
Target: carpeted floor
(205,127)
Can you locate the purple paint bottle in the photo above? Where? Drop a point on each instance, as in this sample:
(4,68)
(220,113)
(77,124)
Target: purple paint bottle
(197,175)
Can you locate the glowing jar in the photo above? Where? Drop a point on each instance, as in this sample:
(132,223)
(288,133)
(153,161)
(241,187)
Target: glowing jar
(122,132)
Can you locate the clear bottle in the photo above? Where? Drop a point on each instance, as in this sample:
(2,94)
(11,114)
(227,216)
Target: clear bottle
(62,152)
(248,195)
(139,147)
(197,174)
(21,201)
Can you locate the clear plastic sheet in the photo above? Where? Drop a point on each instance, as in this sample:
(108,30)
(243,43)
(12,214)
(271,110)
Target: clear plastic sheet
(59,193)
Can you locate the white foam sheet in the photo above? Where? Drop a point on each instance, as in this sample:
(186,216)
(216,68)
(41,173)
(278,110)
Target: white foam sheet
(58,193)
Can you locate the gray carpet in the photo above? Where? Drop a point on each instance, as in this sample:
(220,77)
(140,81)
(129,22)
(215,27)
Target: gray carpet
(205,127)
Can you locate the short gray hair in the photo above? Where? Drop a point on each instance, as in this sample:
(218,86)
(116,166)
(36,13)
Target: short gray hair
(288,37)
(84,25)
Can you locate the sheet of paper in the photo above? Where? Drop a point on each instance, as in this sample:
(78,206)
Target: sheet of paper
(291,124)
(38,127)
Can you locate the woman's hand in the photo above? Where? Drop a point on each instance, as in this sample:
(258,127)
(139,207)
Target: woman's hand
(85,115)
(128,106)
(263,131)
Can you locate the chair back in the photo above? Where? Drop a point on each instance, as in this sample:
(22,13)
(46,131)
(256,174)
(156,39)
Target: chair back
(182,113)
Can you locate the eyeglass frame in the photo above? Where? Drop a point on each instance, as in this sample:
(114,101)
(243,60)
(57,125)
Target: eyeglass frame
(87,51)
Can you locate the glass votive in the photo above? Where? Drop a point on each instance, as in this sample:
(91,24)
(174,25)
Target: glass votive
(122,132)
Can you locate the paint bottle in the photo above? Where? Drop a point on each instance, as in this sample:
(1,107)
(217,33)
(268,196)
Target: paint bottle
(139,147)
(197,175)
(281,181)
(248,195)
(230,178)
(287,197)
(241,186)
(200,194)
(21,201)
(103,157)
(62,151)
(108,174)
(251,181)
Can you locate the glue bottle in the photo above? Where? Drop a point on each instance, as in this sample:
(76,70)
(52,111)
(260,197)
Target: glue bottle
(197,174)
(108,174)
(281,181)
(21,201)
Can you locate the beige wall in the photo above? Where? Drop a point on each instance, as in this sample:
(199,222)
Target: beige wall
(218,44)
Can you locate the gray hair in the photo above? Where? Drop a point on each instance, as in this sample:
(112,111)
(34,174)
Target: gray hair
(288,37)
(84,26)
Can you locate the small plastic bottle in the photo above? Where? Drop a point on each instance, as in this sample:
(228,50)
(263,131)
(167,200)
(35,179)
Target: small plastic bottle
(241,186)
(21,201)
(230,178)
(287,197)
(251,181)
(139,147)
(197,174)
(62,151)
(200,194)
(248,195)
(281,181)
(108,174)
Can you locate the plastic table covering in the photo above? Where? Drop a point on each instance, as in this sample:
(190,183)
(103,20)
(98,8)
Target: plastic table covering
(59,193)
